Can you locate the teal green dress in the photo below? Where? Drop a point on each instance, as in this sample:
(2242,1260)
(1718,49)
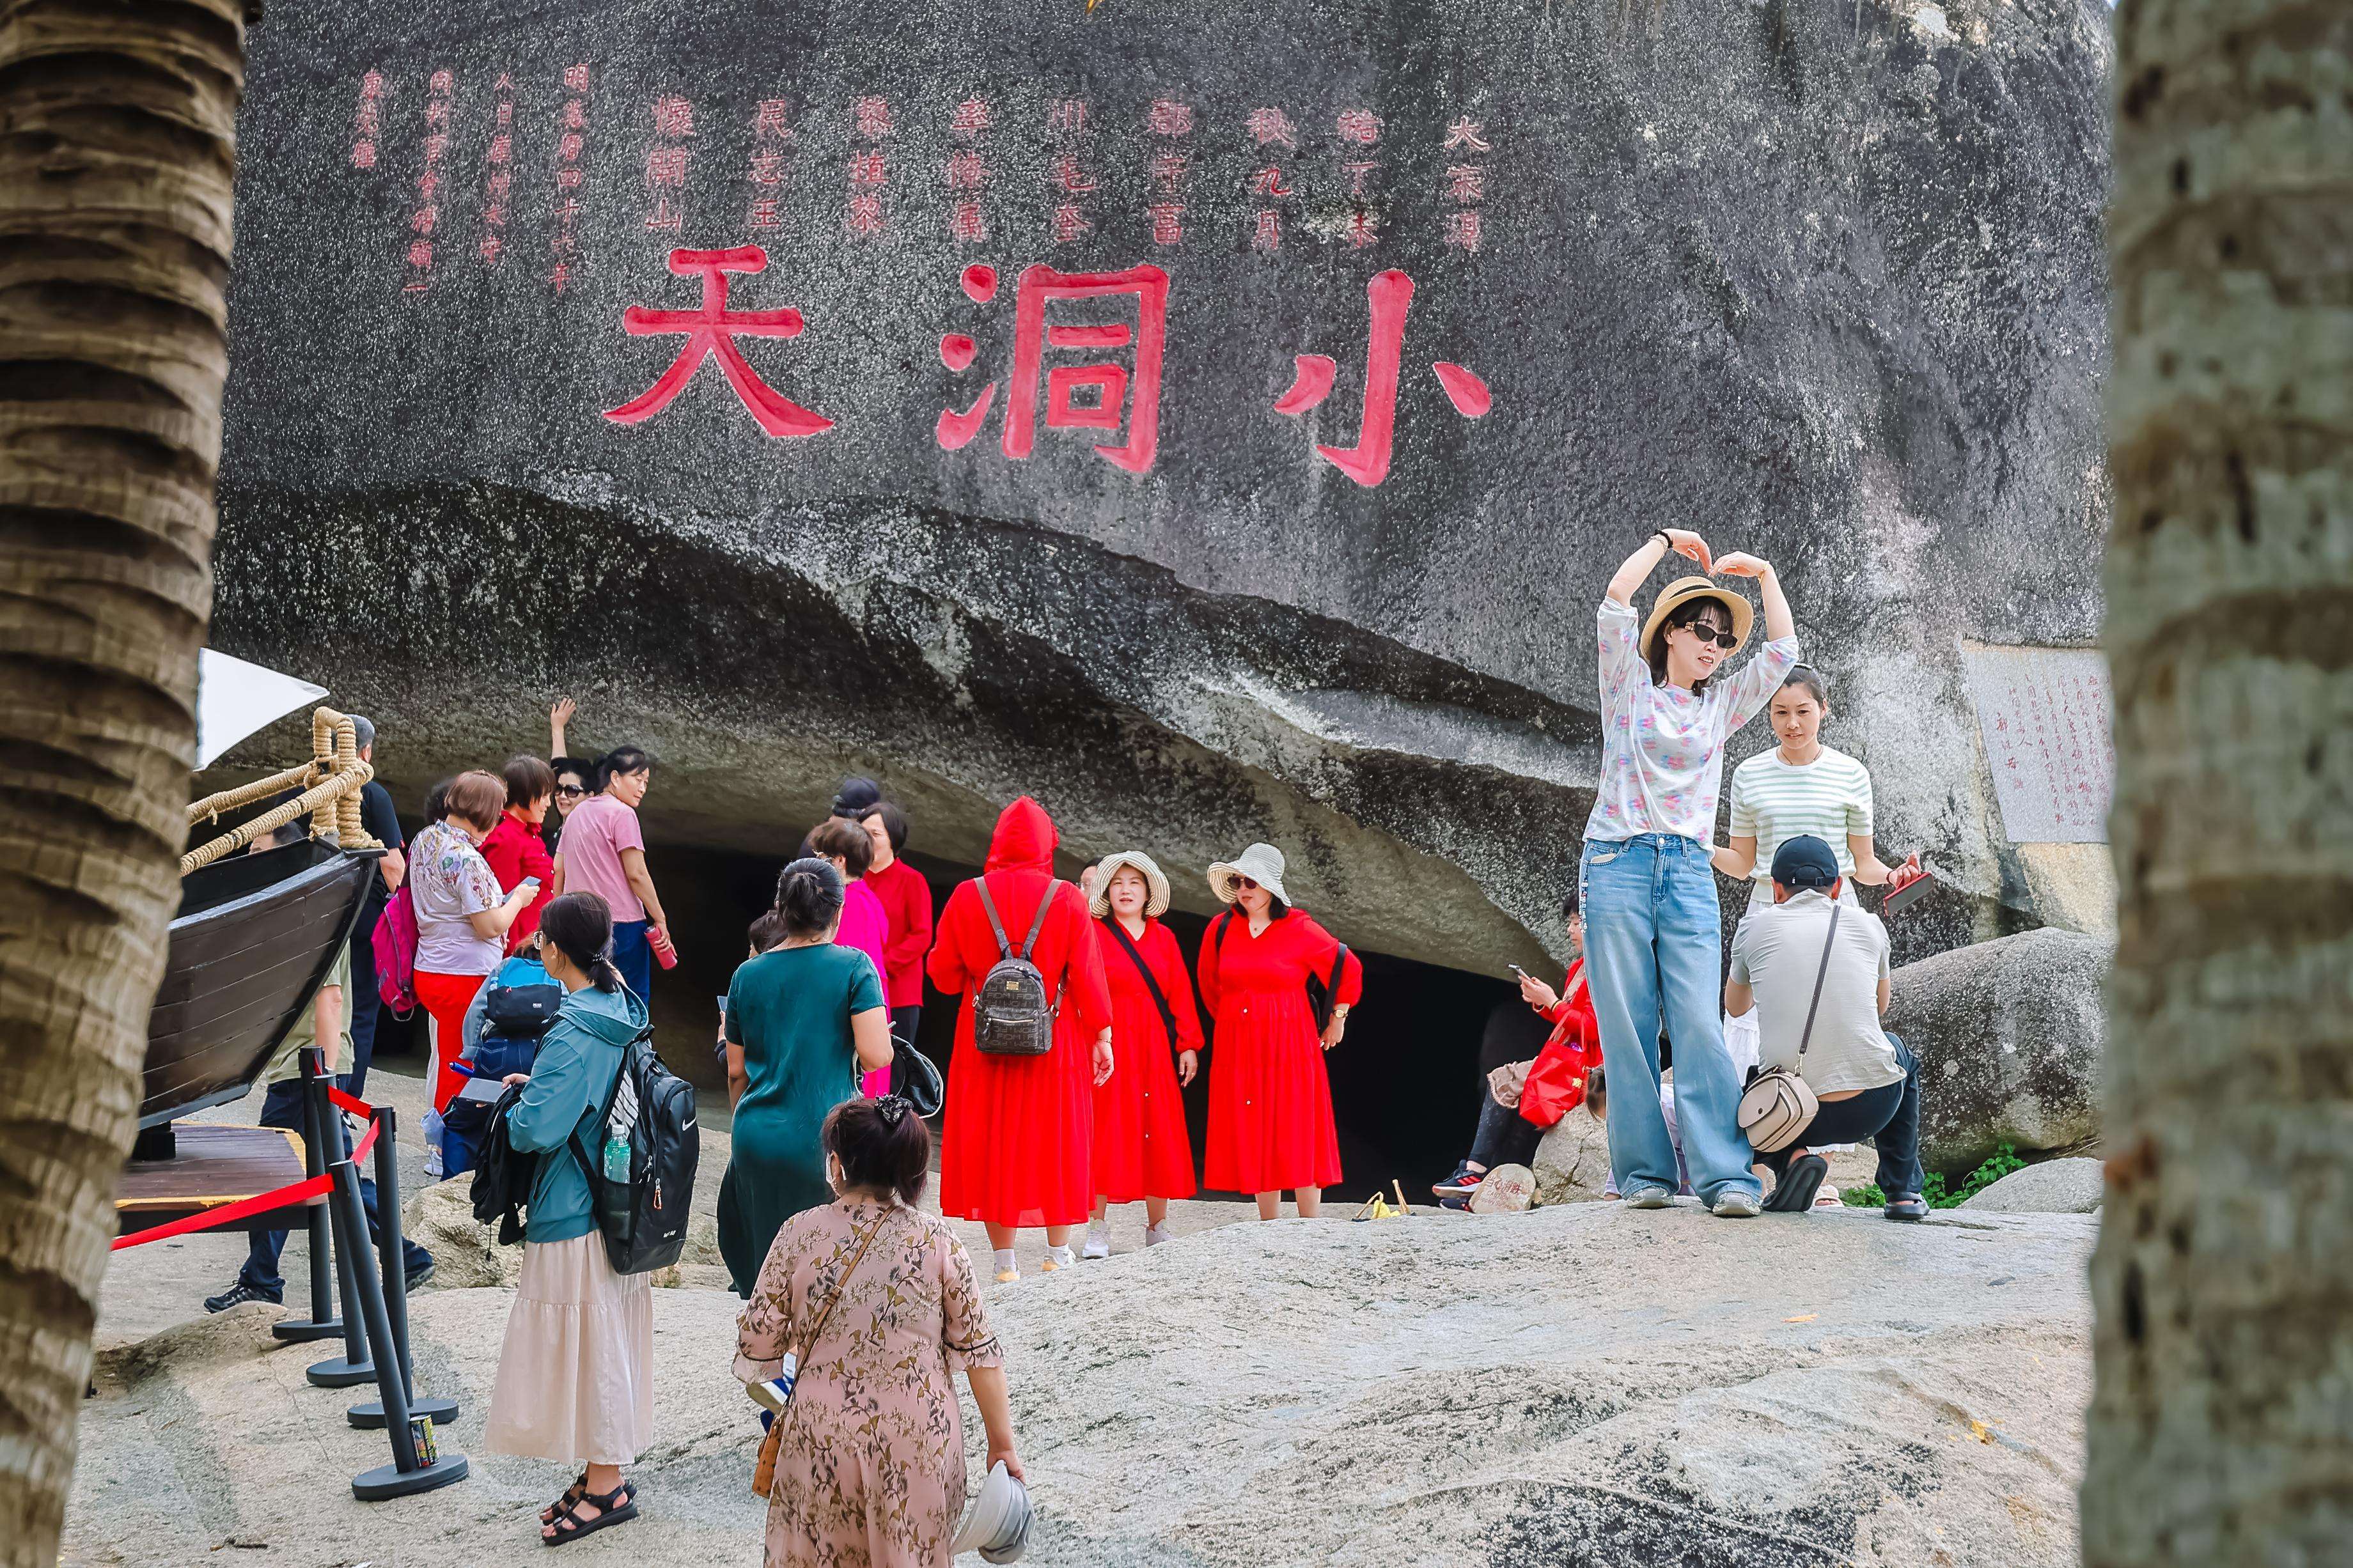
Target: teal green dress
(790,1011)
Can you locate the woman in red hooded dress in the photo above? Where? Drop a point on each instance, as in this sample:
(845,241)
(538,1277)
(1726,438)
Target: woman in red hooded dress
(1270,1124)
(1142,1148)
(1017,1147)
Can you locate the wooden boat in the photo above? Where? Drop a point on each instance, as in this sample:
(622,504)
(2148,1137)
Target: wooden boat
(257,934)
(255,938)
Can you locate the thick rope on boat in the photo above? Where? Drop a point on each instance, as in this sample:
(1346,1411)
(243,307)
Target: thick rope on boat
(212,806)
(319,797)
(331,782)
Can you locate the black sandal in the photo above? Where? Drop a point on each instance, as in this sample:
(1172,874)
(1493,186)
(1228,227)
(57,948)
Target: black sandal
(571,1527)
(563,1505)
(1795,1192)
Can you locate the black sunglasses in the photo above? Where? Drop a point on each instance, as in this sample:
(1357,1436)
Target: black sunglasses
(1709,634)
(1245,882)
(567,791)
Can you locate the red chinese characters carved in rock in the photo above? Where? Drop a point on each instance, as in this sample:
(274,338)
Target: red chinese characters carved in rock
(1390,295)
(713,331)
(1116,394)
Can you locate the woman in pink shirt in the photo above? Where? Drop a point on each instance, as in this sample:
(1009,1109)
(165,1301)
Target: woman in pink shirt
(602,852)
(864,926)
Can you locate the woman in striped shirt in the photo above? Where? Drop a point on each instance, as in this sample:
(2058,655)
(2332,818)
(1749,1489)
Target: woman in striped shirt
(1799,787)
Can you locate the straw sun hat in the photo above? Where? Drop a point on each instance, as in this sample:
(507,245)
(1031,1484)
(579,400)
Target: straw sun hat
(1155,898)
(1682,591)
(1261,863)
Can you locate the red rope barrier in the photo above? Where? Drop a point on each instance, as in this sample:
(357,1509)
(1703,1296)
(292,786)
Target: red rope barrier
(299,1192)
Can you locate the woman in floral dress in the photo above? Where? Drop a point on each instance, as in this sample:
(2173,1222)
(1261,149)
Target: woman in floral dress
(870,1452)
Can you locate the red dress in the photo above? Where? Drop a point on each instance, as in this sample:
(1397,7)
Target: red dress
(1142,1148)
(515,850)
(1017,1147)
(1271,1127)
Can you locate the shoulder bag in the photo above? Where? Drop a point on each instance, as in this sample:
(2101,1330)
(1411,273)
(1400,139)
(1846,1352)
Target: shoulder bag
(1321,989)
(1778,1103)
(1151,981)
(764,1469)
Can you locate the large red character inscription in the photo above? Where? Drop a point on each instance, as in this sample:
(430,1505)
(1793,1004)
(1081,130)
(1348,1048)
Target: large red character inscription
(1390,294)
(713,331)
(1101,396)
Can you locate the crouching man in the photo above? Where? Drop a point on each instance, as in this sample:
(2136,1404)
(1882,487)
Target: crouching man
(1867,1080)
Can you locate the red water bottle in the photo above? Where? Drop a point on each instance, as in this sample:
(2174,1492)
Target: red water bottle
(665,949)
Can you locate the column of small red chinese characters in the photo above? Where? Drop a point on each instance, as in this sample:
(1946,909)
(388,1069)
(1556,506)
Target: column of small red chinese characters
(771,132)
(666,164)
(366,121)
(1358,129)
(1270,182)
(572,137)
(440,96)
(868,170)
(1066,121)
(1172,119)
(1466,183)
(966,174)
(498,167)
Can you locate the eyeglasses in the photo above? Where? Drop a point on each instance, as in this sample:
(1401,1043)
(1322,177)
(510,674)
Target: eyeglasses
(1709,634)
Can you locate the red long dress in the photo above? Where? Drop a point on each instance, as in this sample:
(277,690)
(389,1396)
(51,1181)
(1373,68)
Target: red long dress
(1017,1149)
(1142,1148)
(1271,1127)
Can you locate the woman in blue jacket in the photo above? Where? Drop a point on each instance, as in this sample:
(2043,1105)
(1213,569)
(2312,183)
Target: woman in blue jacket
(576,1373)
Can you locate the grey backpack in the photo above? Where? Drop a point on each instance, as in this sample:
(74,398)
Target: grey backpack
(1012,1016)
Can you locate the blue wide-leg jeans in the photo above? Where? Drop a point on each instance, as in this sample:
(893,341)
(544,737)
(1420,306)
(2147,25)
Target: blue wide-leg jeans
(1653,953)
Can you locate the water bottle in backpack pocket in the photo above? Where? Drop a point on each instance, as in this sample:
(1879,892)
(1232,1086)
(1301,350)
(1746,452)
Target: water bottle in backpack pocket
(642,1174)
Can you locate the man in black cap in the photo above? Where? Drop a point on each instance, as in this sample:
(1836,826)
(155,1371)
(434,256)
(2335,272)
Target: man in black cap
(382,824)
(1819,985)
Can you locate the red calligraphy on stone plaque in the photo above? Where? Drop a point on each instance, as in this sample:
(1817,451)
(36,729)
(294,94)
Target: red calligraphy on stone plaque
(1465,185)
(1169,118)
(712,331)
(772,130)
(1389,295)
(367,121)
(426,216)
(666,164)
(498,171)
(868,170)
(1066,120)
(967,171)
(572,139)
(1269,126)
(1112,391)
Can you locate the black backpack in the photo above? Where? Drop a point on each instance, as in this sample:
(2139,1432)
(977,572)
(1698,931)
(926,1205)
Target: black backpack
(521,1012)
(648,1121)
(501,1177)
(1011,1015)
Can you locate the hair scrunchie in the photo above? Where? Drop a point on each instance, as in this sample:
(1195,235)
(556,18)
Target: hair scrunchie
(892,1108)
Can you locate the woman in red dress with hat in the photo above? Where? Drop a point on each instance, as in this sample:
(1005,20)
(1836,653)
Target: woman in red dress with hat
(1142,1148)
(1016,1151)
(1271,1125)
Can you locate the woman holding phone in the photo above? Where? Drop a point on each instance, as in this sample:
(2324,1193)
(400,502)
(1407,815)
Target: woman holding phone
(1648,888)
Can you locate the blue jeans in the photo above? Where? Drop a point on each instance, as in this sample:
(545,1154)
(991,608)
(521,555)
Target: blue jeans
(282,1107)
(633,956)
(1889,1116)
(1652,953)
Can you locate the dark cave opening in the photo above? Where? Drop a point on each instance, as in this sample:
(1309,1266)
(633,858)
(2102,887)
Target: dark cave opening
(1405,1081)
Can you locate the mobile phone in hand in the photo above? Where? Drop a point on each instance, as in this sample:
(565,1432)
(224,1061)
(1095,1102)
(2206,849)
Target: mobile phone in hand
(1517,970)
(528,885)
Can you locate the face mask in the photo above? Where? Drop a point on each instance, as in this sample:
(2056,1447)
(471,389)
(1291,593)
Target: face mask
(835,1177)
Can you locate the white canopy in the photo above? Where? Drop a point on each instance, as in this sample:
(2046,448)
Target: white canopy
(235,698)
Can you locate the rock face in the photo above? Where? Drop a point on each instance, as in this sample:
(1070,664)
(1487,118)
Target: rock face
(2055,1187)
(1582,1385)
(2009,1037)
(1827,285)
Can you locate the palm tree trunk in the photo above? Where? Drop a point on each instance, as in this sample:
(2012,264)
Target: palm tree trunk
(2223,1280)
(117,136)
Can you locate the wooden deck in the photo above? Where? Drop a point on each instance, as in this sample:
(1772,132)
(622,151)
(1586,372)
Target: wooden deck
(215,1166)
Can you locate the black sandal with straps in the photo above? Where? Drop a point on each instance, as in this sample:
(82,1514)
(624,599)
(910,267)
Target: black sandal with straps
(570,1527)
(563,1505)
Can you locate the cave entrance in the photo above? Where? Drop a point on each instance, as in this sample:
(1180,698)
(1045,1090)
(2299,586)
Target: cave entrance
(1405,1084)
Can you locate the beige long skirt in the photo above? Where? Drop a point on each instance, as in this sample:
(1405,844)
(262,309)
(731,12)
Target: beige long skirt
(576,1372)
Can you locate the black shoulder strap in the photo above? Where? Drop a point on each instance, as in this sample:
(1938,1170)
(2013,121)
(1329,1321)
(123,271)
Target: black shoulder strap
(1217,933)
(1151,981)
(1045,905)
(988,907)
(1828,942)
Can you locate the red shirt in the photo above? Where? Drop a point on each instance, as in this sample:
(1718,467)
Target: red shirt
(907,902)
(515,850)
(1574,1026)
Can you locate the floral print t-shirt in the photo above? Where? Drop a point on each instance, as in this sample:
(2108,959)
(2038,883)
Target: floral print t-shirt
(1662,746)
(449,879)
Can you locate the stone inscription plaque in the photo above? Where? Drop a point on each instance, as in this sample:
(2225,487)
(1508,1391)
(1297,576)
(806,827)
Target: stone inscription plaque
(2043,713)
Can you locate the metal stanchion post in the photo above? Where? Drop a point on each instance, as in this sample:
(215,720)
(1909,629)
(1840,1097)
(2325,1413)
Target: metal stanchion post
(355,1365)
(391,1268)
(408,1472)
(322,1323)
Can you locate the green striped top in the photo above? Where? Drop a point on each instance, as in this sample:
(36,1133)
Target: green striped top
(1830,798)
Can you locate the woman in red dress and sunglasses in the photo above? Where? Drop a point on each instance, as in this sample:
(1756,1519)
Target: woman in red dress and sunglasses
(1270,1126)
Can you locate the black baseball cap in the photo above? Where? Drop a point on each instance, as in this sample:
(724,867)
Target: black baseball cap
(1805,861)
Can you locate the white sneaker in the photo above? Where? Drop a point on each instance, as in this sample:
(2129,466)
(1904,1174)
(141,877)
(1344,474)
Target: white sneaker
(1057,1259)
(1098,1243)
(1737,1205)
(1653,1197)
(433,1161)
(1008,1271)
(1153,1235)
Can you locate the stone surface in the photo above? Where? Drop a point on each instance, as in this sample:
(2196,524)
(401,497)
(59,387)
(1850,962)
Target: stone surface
(2009,1036)
(2055,1187)
(1824,283)
(1580,1383)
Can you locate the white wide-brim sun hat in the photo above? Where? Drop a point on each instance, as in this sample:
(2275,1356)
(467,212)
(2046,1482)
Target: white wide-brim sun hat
(1156,883)
(997,1525)
(1261,863)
